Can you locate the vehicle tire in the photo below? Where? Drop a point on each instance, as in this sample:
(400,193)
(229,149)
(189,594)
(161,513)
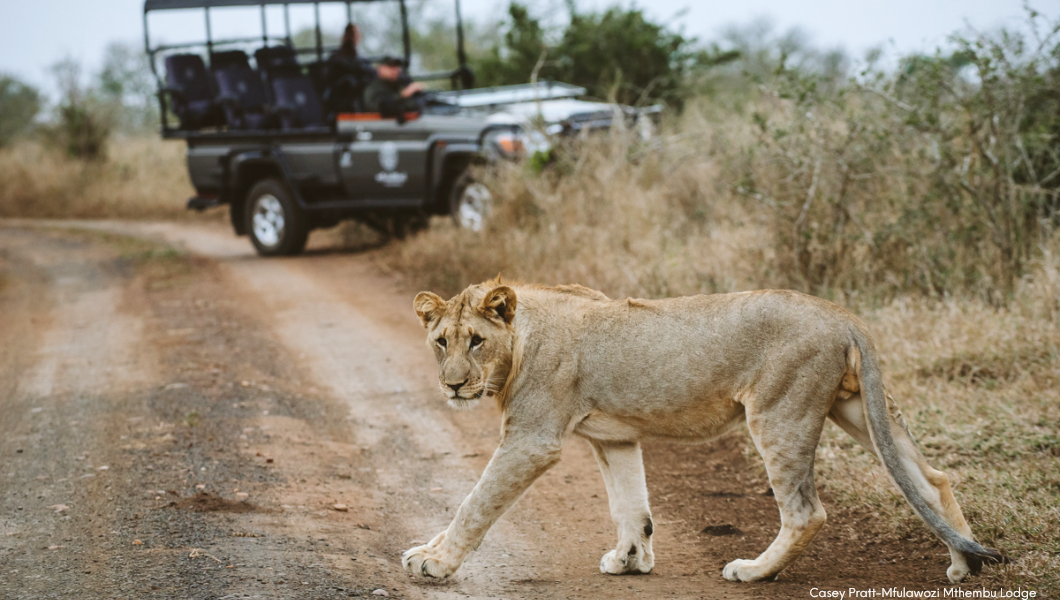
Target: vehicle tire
(275,224)
(470,202)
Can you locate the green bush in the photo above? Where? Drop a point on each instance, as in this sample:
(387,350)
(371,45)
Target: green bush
(617,53)
(940,177)
(83,120)
(19,105)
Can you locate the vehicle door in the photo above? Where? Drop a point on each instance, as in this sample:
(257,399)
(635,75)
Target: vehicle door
(385,161)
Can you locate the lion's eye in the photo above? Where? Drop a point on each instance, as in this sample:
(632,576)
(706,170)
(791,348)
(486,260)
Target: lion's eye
(476,341)
(440,341)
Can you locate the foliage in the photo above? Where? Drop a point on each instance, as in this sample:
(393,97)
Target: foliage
(616,53)
(83,123)
(126,85)
(940,178)
(514,61)
(622,53)
(19,105)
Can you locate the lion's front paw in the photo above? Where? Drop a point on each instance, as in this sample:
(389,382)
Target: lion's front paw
(743,570)
(621,563)
(429,561)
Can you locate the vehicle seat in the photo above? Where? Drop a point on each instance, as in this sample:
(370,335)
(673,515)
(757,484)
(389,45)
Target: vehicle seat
(271,58)
(190,91)
(297,103)
(229,59)
(276,61)
(242,97)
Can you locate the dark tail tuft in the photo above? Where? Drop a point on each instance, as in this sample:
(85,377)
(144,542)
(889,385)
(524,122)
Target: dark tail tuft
(987,555)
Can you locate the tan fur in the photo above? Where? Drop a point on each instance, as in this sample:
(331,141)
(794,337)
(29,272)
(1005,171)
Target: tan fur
(569,360)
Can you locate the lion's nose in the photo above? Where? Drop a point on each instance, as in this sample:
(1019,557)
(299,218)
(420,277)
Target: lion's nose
(456,386)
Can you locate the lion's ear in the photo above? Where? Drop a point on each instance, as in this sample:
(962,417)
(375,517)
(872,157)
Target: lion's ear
(499,303)
(428,307)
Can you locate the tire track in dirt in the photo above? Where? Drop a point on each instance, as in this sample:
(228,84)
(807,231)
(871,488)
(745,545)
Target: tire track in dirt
(76,350)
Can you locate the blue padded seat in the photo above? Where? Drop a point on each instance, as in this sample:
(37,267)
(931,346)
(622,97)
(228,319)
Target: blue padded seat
(229,59)
(191,94)
(297,103)
(272,58)
(242,97)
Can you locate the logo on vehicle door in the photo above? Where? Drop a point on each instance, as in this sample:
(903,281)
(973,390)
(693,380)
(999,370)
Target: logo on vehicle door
(388,156)
(388,159)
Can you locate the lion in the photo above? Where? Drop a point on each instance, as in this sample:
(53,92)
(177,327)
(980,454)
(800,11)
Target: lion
(568,360)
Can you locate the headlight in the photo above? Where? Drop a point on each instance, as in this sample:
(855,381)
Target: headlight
(509,144)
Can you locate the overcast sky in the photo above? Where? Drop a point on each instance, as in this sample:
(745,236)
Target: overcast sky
(34,35)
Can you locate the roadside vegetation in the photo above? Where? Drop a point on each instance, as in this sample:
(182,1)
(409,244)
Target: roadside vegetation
(92,151)
(922,195)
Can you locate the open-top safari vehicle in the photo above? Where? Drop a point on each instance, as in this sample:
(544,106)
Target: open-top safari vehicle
(262,139)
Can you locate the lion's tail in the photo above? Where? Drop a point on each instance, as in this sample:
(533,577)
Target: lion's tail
(870,381)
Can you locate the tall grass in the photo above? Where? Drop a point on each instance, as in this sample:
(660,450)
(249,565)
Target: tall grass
(626,217)
(139,178)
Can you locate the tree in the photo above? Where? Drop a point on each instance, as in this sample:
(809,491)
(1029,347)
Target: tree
(19,105)
(83,124)
(125,83)
(621,52)
(617,52)
(523,47)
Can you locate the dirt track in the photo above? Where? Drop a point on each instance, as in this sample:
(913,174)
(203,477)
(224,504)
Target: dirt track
(142,391)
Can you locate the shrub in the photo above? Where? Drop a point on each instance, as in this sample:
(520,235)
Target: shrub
(940,178)
(83,122)
(19,105)
(617,53)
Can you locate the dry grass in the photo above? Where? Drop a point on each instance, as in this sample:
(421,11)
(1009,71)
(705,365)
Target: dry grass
(659,225)
(140,179)
(977,379)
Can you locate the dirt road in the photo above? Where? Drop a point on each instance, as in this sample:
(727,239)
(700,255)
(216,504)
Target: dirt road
(182,424)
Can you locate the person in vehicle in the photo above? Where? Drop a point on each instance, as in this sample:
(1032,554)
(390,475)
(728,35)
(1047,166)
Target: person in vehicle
(347,73)
(390,95)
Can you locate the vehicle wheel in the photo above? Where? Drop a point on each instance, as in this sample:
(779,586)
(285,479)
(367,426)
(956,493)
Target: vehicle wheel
(275,224)
(470,202)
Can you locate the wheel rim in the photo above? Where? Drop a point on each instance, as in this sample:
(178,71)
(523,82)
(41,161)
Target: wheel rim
(268,220)
(474,206)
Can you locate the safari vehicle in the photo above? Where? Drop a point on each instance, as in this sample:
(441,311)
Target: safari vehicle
(260,140)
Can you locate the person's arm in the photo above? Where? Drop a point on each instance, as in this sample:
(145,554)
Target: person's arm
(411,89)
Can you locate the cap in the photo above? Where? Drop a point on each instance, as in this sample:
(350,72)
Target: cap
(392,61)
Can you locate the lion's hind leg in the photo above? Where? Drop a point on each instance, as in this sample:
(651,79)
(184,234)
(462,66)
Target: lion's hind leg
(933,485)
(786,436)
(627,494)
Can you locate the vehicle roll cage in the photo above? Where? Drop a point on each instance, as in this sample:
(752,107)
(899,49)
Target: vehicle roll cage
(459,76)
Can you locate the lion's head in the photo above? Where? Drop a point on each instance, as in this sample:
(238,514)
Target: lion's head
(471,336)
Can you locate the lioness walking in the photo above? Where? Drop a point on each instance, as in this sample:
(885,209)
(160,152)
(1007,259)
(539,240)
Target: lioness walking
(568,359)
